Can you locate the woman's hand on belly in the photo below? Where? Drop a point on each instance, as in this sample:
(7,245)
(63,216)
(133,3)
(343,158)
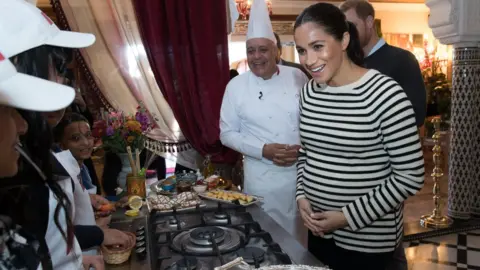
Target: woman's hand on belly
(306,213)
(330,221)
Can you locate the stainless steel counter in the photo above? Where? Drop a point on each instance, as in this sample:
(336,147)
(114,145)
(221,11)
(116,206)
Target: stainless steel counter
(297,252)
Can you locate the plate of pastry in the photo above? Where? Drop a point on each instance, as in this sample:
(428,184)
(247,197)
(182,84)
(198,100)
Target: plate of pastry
(231,197)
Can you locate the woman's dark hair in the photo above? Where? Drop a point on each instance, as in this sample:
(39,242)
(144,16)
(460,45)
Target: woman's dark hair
(37,142)
(36,61)
(333,21)
(23,192)
(68,119)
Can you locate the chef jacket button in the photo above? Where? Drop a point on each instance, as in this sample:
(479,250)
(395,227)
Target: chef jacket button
(294,129)
(270,117)
(288,113)
(276,134)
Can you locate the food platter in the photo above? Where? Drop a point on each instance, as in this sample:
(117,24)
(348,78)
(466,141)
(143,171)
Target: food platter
(292,267)
(230,197)
(181,209)
(181,202)
(239,263)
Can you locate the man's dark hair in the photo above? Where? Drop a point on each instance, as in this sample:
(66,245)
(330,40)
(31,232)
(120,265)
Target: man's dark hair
(68,119)
(362,7)
(233,73)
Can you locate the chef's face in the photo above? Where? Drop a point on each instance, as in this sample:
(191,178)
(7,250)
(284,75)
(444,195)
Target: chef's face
(365,27)
(53,118)
(13,125)
(77,137)
(261,57)
(319,52)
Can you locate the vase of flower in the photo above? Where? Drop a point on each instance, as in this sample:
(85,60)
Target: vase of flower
(118,132)
(126,169)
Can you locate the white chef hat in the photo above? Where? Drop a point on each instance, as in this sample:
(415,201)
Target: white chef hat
(259,24)
(23,27)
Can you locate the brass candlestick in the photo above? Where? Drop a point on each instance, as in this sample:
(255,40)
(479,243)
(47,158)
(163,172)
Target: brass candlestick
(436,220)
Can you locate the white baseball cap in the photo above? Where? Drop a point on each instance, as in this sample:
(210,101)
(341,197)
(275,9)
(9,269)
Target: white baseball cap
(23,27)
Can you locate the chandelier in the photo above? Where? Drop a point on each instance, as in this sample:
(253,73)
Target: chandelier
(243,7)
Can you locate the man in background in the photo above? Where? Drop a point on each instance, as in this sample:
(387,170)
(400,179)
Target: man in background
(399,64)
(282,62)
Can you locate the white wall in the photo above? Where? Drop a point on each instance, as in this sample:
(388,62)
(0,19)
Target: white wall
(236,51)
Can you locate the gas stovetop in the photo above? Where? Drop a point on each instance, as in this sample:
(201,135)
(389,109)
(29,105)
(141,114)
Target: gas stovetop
(208,238)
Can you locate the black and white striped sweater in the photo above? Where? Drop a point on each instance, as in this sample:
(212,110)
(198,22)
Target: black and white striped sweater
(360,155)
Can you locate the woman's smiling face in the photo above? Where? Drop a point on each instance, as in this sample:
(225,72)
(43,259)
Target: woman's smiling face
(319,52)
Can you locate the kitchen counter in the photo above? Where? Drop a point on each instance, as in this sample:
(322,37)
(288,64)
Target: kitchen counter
(298,253)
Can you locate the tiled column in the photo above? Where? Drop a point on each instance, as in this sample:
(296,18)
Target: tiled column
(458,23)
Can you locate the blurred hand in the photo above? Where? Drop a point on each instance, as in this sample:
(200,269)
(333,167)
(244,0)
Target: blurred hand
(103,222)
(95,261)
(112,237)
(97,201)
(270,150)
(287,157)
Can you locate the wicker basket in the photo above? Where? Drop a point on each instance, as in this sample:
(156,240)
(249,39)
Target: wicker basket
(118,256)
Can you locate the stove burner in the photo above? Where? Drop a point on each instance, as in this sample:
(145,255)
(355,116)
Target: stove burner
(204,236)
(184,243)
(220,215)
(173,223)
(187,263)
(252,255)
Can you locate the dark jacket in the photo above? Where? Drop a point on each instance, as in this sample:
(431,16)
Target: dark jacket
(402,66)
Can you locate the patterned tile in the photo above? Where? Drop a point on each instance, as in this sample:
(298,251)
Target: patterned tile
(464,169)
(453,251)
(473,258)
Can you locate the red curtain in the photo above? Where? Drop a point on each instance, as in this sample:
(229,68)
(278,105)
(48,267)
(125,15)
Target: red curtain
(187,46)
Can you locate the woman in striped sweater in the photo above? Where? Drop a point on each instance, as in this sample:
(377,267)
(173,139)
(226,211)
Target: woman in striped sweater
(360,156)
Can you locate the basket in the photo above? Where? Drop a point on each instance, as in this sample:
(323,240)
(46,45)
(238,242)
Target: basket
(118,256)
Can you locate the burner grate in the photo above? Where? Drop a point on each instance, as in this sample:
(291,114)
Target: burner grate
(205,236)
(212,236)
(185,244)
(187,263)
(252,255)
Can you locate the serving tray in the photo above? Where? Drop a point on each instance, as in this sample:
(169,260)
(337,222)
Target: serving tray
(256,199)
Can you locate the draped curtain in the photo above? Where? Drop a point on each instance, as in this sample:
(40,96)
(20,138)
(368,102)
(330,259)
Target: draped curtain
(188,52)
(117,65)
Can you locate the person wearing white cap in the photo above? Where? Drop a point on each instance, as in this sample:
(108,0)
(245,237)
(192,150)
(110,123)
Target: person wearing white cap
(22,27)
(259,118)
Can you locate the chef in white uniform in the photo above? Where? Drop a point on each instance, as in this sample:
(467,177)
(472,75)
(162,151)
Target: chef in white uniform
(260,117)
